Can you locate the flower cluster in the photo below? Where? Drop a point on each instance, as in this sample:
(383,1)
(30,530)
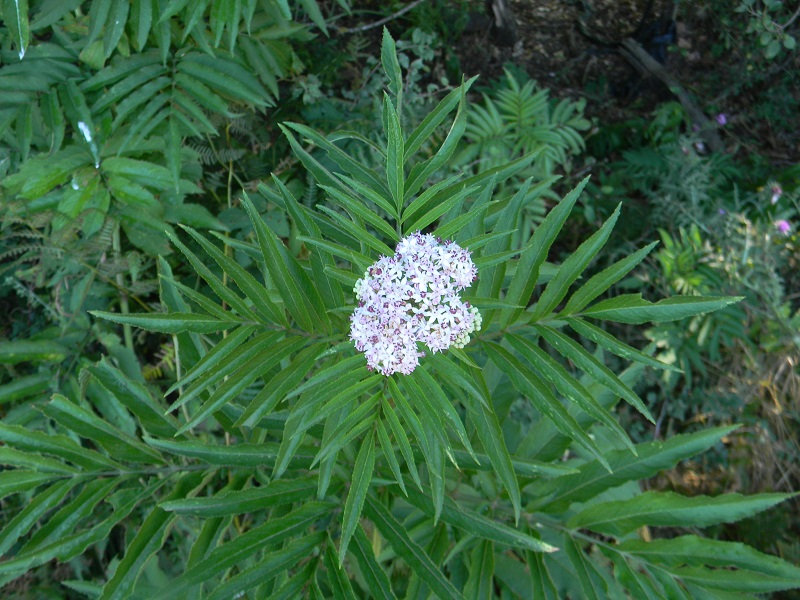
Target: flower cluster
(410,297)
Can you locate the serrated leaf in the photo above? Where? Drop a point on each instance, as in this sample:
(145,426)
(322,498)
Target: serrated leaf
(252,289)
(574,352)
(667,509)
(490,434)
(390,65)
(375,577)
(696,551)
(21,522)
(425,129)
(419,562)
(292,282)
(582,568)
(65,521)
(395,178)
(285,381)
(135,397)
(568,385)
(239,502)
(399,434)
(571,269)
(270,566)
(603,280)
(118,444)
(243,377)
(245,545)
(15,17)
(171,323)
(359,487)
(535,253)
(473,523)
(613,345)
(55,445)
(593,478)
(635,310)
(480,585)
(148,540)
(236,455)
(17,351)
(540,396)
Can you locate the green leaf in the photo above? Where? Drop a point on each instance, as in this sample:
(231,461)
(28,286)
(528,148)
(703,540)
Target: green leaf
(119,445)
(541,581)
(362,476)
(613,345)
(171,323)
(221,359)
(692,550)
(476,524)
(416,558)
(389,454)
(239,502)
(399,434)
(356,208)
(252,289)
(653,457)
(390,64)
(535,253)
(422,171)
(435,118)
(603,280)
(235,552)
(65,520)
(350,165)
(572,351)
(635,310)
(567,385)
(571,269)
(115,26)
(15,352)
(293,283)
(147,542)
(55,445)
(276,389)
(15,16)
(33,511)
(374,575)
(481,573)
(337,575)
(135,397)
(33,461)
(540,396)
(243,377)
(490,434)
(272,565)
(395,178)
(667,509)
(353,425)
(219,287)
(236,455)
(583,569)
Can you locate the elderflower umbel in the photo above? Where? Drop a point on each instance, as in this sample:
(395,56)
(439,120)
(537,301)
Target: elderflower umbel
(410,297)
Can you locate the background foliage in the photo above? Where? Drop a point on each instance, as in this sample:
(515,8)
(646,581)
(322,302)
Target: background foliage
(189,194)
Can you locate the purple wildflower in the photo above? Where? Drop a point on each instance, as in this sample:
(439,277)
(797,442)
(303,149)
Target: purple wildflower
(783,226)
(721,119)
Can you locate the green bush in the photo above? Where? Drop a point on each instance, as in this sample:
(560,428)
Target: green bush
(279,466)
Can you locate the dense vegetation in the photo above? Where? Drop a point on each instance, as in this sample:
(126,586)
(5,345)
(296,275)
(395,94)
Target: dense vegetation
(194,199)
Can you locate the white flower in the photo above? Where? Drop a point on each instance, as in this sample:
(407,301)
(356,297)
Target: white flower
(413,297)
